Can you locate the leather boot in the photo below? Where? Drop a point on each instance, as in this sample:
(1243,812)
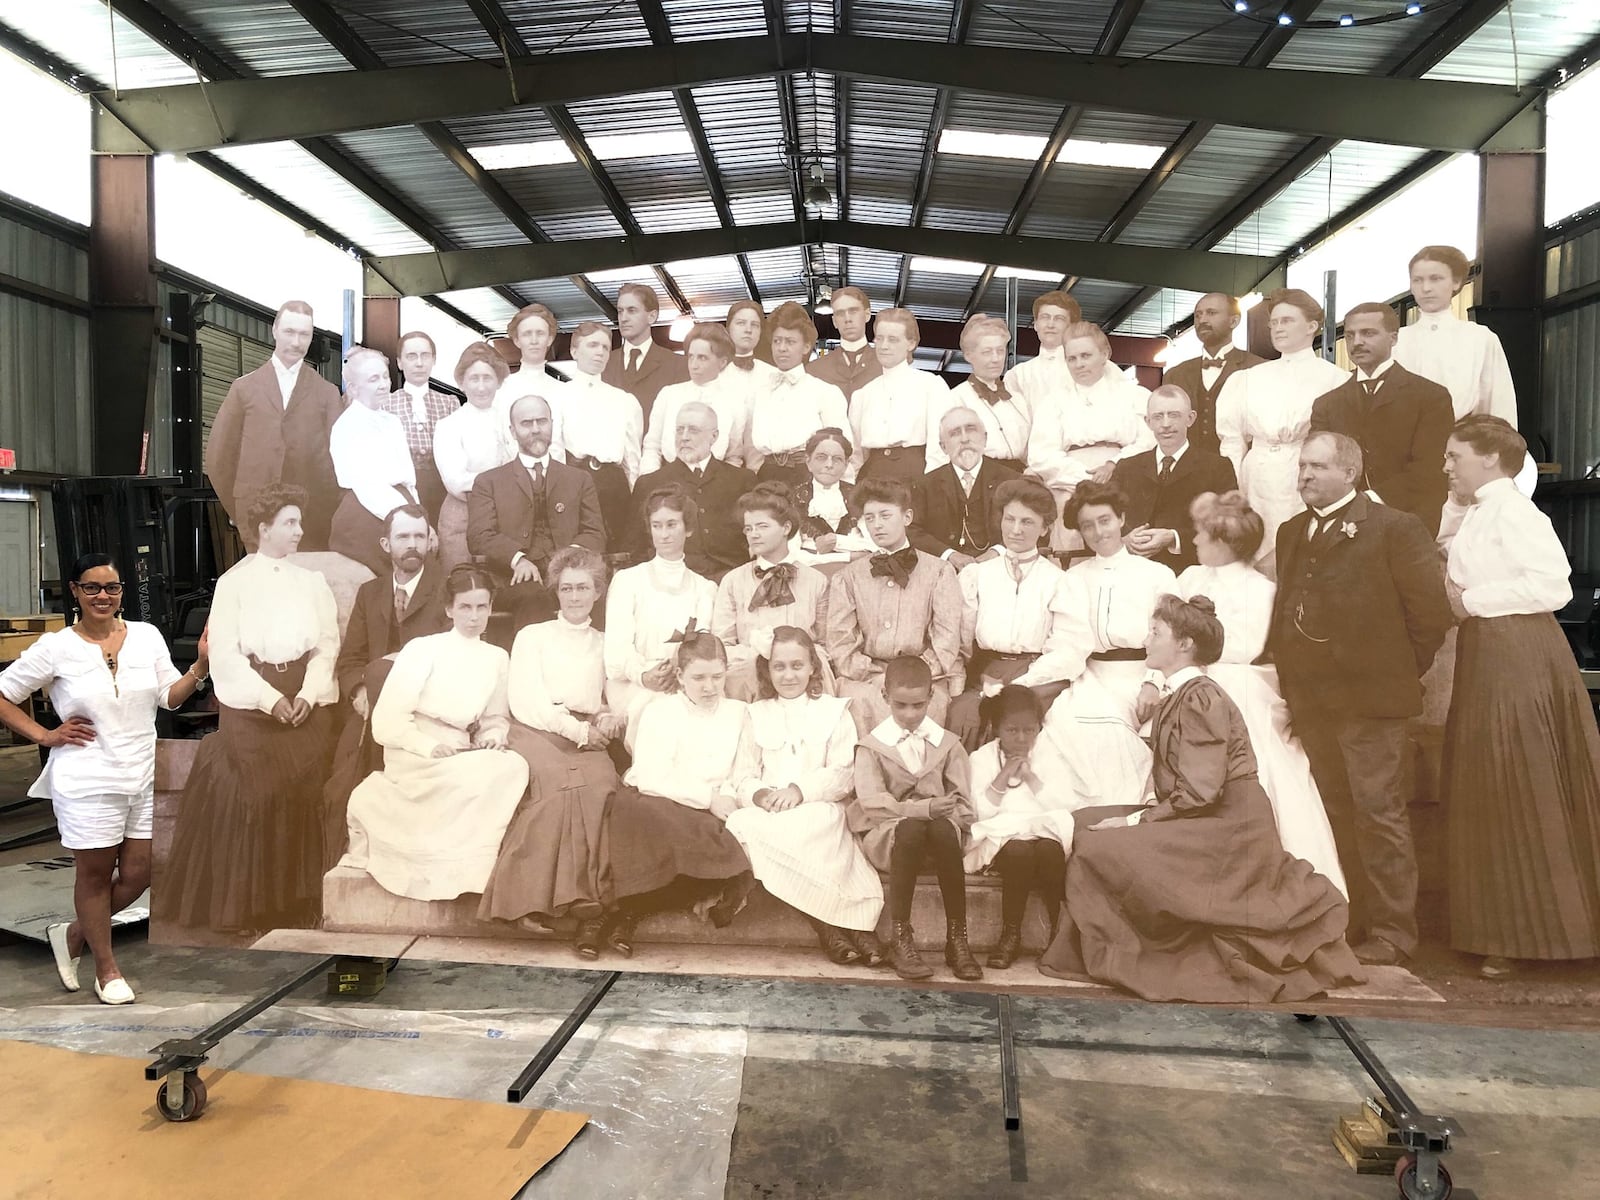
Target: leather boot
(903,955)
(958,954)
(872,954)
(1007,949)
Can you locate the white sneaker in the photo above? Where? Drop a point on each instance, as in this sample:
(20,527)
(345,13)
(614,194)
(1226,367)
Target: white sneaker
(114,991)
(66,965)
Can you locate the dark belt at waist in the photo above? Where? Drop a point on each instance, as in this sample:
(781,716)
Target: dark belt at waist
(1003,656)
(589,462)
(262,666)
(1129,654)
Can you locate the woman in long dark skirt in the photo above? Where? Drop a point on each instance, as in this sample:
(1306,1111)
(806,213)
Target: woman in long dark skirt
(1521,752)
(247,852)
(669,846)
(1194,898)
(554,861)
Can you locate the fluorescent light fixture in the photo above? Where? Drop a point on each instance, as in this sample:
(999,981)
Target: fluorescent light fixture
(1026,273)
(611,147)
(981,144)
(512,155)
(653,144)
(946,266)
(625,275)
(680,328)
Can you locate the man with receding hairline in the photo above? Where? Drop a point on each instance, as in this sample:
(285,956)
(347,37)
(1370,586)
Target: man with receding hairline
(273,427)
(716,542)
(1216,316)
(1359,614)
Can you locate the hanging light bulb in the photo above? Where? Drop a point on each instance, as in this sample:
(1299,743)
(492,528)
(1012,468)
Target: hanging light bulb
(817,193)
(1285,19)
(1347,19)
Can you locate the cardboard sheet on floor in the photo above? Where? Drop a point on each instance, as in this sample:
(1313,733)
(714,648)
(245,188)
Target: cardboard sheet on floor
(260,1136)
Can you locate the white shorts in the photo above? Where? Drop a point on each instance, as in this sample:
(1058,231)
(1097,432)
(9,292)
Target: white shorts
(100,822)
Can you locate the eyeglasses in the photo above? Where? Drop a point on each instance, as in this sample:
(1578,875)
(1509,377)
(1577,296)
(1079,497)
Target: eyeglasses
(94,589)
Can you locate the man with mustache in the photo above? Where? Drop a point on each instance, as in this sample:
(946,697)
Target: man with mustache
(400,604)
(1216,316)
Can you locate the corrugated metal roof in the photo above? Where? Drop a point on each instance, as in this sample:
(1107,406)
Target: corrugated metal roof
(485,305)
(405,34)
(1001,114)
(741,122)
(1066,25)
(816,120)
(1100,299)
(570,303)
(695,20)
(1189,31)
(974,194)
(938,294)
(1547,34)
(559,26)
(1361,48)
(1162,311)
(815,15)
(778,273)
(1078,201)
(300,179)
(875,272)
(410,165)
(266,37)
(78,32)
(1219,172)
(711,284)
(888,126)
(927,20)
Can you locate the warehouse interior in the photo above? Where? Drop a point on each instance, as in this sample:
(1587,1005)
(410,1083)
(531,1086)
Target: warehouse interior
(179,168)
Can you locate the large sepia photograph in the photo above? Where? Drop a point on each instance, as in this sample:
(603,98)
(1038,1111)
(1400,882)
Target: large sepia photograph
(1235,683)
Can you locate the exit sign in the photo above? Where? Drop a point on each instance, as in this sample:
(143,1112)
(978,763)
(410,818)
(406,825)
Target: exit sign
(8,460)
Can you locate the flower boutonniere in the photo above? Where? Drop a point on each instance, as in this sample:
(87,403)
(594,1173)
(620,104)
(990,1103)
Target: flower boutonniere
(1348,528)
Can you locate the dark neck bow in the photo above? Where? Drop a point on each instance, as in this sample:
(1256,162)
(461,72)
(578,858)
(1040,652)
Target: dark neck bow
(683,635)
(897,566)
(1212,362)
(990,395)
(776,586)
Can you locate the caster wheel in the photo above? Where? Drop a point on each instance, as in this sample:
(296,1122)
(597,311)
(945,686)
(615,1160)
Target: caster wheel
(1305,1018)
(194,1099)
(1405,1174)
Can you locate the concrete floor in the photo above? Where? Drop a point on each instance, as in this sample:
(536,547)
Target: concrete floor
(863,1092)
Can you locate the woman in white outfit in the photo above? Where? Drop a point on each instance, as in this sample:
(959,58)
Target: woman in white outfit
(1082,432)
(1264,413)
(651,607)
(429,825)
(1227,535)
(474,438)
(104,677)
(794,770)
(1099,618)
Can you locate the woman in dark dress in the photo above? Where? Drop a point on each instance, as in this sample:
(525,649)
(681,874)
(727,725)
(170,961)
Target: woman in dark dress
(1195,898)
(247,853)
(1521,751)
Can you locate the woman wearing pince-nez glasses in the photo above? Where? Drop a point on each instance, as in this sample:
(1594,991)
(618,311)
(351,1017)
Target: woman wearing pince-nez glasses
(105,677)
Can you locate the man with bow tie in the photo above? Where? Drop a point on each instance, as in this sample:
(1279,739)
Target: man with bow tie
(1359,614)
(895,601)
(1163,482)
(716,540)
(521,512)
(1216,316)
(957,518)
(853,364)
(407,601)
(1401,420)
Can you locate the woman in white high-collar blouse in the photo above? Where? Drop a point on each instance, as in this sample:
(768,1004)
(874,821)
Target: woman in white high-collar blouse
(795,769)
(1264,413)
(553,861)
(1521,754)
(793,404)
(474,438)
(1006,417)
(650,607)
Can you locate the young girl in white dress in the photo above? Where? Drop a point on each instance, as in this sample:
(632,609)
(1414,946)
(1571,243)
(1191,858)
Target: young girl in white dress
(1023,828)
(651,608)
(429,825)
(1227,534)
(794,770)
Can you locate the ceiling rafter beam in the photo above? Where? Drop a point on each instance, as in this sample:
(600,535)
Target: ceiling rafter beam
(412,274)
(655,20)
(339,34)
(1112,36)
(783,47)
(960,23)
(1439,114)
(1457,28)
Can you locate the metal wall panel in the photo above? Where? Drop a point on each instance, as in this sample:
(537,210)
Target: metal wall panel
(38,257)
(45,386)
(1573,264)
(1569,420)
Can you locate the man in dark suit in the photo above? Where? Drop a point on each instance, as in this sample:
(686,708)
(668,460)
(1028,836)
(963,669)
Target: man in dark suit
(1216,316)
(380,623)
(953,514)
(1162,483)
(641,367)
(1360,612)
(273,427)
(520,513)
(1401,420)
(716,543)
(852,364)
